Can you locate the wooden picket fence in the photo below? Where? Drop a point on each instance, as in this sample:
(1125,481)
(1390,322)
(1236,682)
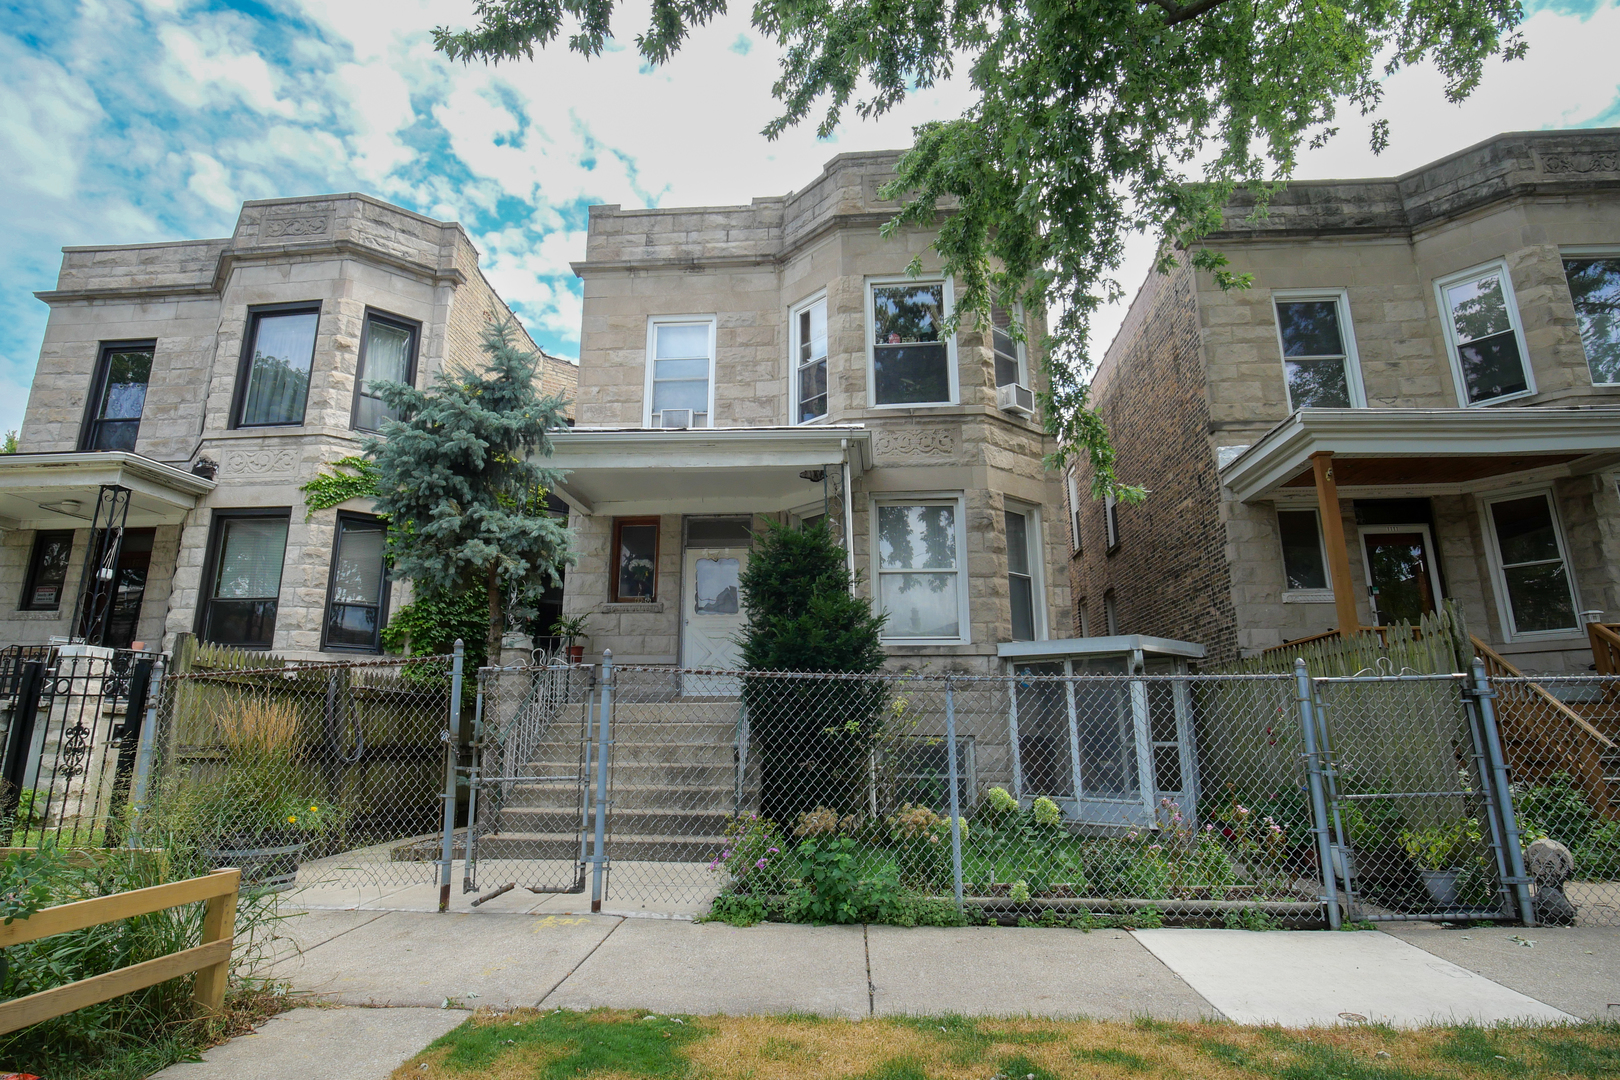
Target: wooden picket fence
(211,959)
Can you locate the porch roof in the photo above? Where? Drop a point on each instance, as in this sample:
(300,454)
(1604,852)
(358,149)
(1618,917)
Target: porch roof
(1425,451)
(1111,645)
(702,470)
(60,491)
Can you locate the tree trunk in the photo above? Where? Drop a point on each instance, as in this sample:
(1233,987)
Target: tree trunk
(497,619)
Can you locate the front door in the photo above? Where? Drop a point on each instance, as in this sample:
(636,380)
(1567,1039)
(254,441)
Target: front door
(1401,582)
(712,616)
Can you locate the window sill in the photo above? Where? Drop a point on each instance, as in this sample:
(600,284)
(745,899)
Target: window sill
(619,607)
(1308,596)
(1112,549)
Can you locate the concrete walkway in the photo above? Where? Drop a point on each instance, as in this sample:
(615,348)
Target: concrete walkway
(401,978)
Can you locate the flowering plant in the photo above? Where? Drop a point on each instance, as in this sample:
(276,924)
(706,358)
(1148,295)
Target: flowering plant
(752,856)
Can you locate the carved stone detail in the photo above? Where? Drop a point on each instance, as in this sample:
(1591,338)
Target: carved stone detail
(295,226)
(1580,161)
(261,463)
(916,442)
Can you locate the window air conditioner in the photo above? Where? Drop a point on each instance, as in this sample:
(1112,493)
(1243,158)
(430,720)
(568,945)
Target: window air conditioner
(673,418)
(1015,398)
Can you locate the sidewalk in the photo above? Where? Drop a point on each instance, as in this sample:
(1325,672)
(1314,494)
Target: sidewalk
(424,970)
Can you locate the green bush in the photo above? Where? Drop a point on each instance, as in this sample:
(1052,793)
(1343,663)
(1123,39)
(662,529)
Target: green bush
(1598,856)
(831,888)
(1556,810)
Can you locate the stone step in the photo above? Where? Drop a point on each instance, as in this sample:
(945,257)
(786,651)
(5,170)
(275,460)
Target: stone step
(672,823)
(712,797)
(623,847)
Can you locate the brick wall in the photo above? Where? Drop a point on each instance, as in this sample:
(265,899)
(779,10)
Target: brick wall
(1169,575)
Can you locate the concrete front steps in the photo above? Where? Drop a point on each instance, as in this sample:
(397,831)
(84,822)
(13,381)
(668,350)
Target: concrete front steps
(672,787)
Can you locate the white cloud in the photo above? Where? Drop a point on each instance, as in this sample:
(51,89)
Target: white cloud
(203,67)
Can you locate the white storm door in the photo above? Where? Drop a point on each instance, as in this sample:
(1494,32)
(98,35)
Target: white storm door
(712,616)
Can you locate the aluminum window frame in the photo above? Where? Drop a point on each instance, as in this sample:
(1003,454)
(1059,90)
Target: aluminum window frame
(712,321)
(795,367)
(91,424)
(1020,344)
(1448,326)
(1585,251)
(216,537)
(869,328)
(383,595)
(413,327)
(244,368)
(1493,556)
(1347,340)
(955,499)
(1035,537)
(1304,596)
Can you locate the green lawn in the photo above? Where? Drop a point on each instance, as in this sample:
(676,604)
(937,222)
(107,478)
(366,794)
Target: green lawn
(617,1045)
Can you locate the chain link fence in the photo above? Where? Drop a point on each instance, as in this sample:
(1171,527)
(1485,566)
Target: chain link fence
(324,773)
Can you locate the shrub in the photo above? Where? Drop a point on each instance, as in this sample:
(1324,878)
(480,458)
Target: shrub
(1555,810)
(1046,813)
(752,857)
(1598,857)
(831,889)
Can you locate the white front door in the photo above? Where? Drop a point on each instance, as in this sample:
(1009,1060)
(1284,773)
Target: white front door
(712,615)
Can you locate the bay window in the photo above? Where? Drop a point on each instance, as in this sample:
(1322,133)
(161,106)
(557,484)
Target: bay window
(1023,573)
(357,589)
(1594,287)
(1011,366)
(810,361)
(278,352)
(387,354)
(920,570)
(242,578)
(911,355)
(1481,319)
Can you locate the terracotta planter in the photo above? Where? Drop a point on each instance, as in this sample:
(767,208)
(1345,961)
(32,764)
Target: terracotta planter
(576,654)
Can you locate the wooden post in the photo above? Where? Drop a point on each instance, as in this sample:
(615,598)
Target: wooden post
(219,924)
(1327,505)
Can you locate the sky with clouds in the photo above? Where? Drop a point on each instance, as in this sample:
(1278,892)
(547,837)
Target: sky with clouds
(127,121)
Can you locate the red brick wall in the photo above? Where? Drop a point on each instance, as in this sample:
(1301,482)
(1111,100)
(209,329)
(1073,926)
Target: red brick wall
(1169,573)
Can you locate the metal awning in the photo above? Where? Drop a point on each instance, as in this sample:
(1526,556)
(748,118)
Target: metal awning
(1424,451)
(1111,645)
(627,471)
(59,491)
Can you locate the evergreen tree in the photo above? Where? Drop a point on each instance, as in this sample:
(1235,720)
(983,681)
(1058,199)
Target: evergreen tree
(456,477)
(811,736)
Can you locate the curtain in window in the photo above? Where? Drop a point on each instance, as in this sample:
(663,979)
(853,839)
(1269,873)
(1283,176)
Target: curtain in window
(123,396)
(247,581)
(387,359)
(278,374)
(354,606)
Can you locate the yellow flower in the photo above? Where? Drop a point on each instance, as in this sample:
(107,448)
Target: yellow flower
(313,810)
(292,820)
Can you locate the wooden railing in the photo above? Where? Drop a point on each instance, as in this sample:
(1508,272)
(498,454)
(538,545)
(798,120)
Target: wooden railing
(1605,638)
(211,959)
(1558,738)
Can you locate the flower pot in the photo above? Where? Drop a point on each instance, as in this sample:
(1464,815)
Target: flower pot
(268,861)
(576,654)
(1442,885)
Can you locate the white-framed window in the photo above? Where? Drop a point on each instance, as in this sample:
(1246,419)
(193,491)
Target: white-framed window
(808,330)
(1111,522)
(1077,543)
(1593,275)
(1318,345)
(1025,581)
(910,359)
(1306,577)
(920,566)
(680,371)
(1012,365)
(1484,336)
(1535,590)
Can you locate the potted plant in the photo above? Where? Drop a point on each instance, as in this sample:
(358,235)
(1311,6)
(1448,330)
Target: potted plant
(1440,851)
(571,628)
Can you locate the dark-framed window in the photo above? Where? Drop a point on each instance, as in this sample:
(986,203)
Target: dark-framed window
(278,351)
(117,395)
(635,560)
(47,570)
(357,588)
(387,354)
(242,577)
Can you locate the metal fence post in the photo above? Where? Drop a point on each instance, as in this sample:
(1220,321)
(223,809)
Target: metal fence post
(469,861)
(141,782)
(604,711)
(956,799)
(452,748)
(1319,814)
(1508,819)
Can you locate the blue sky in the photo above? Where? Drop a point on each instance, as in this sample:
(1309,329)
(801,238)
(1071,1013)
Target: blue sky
(125,121)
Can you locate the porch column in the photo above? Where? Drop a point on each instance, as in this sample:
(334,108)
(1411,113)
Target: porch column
(1327,505)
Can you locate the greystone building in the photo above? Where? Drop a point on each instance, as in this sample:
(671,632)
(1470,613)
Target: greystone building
(1417,400)
(184,393)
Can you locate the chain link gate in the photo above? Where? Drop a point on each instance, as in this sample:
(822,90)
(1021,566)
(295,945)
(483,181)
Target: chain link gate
(1419,814)
(529,801)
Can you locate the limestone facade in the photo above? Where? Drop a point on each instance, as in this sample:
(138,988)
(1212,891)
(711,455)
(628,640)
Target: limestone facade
(349,256)
(750,269)
(1196,376)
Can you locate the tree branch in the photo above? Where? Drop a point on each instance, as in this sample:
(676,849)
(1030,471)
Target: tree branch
(1174,13)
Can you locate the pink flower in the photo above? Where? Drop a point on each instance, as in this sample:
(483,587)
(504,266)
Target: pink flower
(760,865)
